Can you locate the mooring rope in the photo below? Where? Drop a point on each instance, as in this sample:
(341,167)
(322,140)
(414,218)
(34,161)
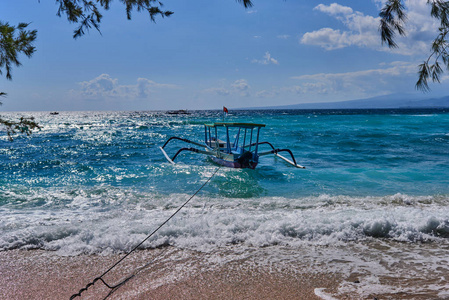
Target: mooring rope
(100,278)
(135,273)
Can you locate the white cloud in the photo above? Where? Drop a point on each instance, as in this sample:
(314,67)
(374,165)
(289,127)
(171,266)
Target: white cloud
(106,87)
(267,94)
(145,87)
(239,87)
(219,91)
(366,82)
(267,59)
(283,36)
(102,85)
(334,9)
(362,30)
(327,87)
(327,38)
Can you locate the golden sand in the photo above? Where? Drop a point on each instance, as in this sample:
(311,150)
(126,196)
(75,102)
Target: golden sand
(181,274)
(172,273)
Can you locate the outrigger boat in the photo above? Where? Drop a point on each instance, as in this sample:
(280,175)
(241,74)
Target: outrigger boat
(241,152)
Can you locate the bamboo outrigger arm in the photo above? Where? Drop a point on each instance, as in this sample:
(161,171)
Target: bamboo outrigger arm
(276,152)
(181,139)
(166,155)
(171,160)
(193,150)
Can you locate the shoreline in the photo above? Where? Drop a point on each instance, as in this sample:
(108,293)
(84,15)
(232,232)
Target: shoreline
(234,272)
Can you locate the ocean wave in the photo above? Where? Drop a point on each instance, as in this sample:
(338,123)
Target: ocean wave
(107,219)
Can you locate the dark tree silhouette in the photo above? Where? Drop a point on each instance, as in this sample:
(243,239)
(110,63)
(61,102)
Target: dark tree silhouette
(13,42)
(87,13)
(393,19)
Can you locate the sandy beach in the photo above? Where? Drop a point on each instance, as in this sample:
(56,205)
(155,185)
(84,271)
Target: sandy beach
(183,274)
(172,273)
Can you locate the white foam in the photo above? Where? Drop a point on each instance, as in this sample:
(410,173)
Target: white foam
(320,293)
(111,219)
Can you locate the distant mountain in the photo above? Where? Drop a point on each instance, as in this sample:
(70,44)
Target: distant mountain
(388,101)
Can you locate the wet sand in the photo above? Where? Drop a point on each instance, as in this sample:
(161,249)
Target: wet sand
(180,274)
(172,273)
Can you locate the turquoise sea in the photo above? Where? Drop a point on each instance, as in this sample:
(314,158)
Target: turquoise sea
(96,182)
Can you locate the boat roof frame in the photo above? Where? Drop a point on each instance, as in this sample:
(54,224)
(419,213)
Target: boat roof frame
(234,124)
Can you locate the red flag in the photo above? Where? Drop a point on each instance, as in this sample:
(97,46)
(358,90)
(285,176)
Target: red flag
(225,109)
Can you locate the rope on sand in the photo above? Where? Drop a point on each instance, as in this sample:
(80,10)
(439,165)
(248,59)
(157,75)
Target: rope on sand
(100,278)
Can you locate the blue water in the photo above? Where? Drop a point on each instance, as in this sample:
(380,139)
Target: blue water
(91,182)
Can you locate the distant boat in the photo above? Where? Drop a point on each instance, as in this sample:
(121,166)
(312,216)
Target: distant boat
(178,112)
(54,113)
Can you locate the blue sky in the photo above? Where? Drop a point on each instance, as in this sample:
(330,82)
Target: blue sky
(214,53)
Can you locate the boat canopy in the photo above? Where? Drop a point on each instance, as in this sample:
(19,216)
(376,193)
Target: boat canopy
(238,138)
(233,124)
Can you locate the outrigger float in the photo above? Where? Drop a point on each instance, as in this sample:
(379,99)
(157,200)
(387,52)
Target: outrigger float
(241,152)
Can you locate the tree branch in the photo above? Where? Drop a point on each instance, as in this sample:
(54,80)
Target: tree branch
(13,41)
(393,18)
(24,126)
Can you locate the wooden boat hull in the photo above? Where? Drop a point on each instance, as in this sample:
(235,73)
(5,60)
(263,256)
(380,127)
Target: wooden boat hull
(233,164)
